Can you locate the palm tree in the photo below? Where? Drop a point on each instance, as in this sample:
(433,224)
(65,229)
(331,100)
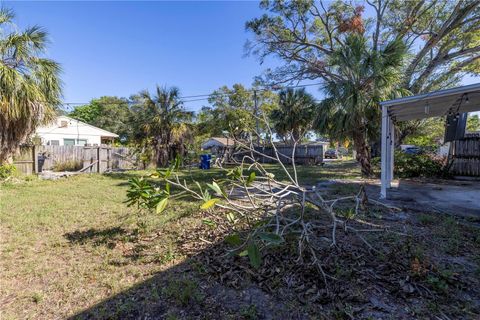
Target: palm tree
(294,115)
(164,123)
(30,87)
(351,108)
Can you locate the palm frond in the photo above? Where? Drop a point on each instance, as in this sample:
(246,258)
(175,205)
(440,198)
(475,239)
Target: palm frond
(352,105)
(30,85)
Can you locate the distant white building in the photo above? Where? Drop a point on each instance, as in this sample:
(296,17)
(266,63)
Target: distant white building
(67,131)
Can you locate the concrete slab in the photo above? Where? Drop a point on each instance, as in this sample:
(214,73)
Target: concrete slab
(460,198)
(451,197)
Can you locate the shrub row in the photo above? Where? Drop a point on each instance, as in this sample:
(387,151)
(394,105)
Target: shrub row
(417,165)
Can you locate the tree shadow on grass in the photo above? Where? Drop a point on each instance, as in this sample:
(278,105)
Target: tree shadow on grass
(212,285)
(96,236)
(187,291)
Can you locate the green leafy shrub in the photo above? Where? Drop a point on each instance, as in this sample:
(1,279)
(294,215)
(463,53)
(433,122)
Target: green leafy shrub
(69,165)
(418,165)
(7,170)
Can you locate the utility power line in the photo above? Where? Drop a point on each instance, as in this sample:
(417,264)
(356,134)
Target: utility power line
(202,97)
(206,96)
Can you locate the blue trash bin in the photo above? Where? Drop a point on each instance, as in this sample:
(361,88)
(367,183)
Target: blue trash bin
(205,161)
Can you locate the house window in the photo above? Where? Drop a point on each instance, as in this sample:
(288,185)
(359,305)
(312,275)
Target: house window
(63,124)
(69,142)
(81,142)
(53,143)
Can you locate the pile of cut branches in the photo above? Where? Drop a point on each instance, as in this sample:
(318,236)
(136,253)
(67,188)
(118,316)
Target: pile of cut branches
(270,208)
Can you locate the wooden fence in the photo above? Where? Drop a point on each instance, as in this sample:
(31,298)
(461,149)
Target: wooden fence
(26,160)
(98,158)
(304,154)
(465,155)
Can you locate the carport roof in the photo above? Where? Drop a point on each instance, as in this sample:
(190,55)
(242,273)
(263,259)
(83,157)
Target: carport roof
(434,104)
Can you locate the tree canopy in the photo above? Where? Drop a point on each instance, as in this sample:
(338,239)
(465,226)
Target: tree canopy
(161,121)
(294,116)
(337,43)
(441,37)
(233,110)
(110,113)
(473,122)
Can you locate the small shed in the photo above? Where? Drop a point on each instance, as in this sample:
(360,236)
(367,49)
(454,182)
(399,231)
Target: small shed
(453,103)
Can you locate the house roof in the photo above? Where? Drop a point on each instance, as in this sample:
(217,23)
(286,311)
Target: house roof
(436,103)
(218,141)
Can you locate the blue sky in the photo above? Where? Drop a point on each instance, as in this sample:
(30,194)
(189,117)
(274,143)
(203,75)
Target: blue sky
(120,48)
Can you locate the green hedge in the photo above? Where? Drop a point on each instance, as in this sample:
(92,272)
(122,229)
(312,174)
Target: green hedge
(417,165)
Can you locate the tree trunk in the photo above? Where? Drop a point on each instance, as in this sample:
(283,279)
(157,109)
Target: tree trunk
(363,154)
(12,134)
(161,152)
(405,129)
(161,156)
(142,158)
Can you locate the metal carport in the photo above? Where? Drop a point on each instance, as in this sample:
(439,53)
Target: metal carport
(434,104)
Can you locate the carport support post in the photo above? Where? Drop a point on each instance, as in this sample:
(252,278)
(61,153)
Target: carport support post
(391,135)
(387,152)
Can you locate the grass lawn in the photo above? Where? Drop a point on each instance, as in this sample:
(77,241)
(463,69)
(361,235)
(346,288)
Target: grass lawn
(67,244)
(58,245)
(69,247)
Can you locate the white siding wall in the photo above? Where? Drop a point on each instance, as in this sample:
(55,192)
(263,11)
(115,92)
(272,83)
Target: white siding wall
(74,130)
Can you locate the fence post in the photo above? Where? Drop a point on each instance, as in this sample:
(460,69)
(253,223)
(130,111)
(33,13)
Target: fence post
(35,159)
(98,159)
(109,150)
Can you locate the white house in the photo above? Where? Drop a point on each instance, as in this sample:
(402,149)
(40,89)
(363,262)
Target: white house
(67,131)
